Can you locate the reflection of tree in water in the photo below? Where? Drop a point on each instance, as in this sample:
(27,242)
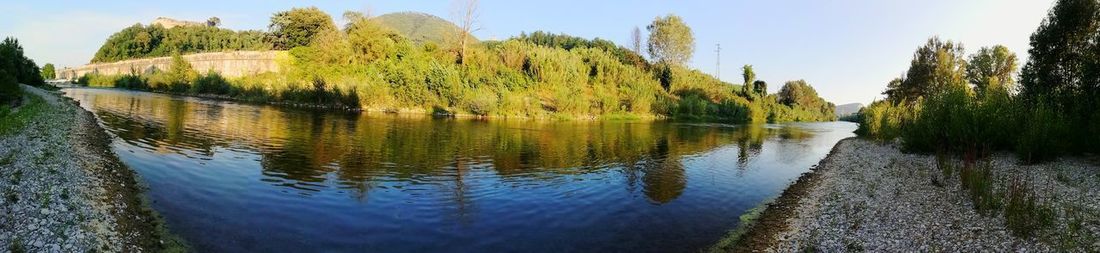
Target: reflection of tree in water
(664,177)
(310,151)
(298,157)
(750,141)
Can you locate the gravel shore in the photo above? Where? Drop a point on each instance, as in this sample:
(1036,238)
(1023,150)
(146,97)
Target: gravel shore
(868,196)
(64,190)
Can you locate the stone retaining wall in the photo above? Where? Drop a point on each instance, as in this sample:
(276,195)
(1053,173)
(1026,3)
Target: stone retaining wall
(228,64)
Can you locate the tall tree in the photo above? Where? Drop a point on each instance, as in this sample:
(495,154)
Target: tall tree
(1062,58)
(296,27)
(760,88)
(49,71)
(749,77)
(991,68)
(18,65)
(936,66)
(636,40)
(670,40)
(466,11)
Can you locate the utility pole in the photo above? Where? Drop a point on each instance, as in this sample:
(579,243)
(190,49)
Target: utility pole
(718,61)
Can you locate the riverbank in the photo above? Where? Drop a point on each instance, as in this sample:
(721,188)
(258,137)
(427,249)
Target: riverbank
(65,190)
(868,196)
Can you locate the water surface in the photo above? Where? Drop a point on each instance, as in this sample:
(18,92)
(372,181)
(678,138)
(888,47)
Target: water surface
(231,177)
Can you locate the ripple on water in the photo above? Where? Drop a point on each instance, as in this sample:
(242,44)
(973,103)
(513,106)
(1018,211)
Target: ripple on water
(234,177)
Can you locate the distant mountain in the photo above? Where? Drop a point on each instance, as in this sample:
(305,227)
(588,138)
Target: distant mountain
(420,27)
(848,109)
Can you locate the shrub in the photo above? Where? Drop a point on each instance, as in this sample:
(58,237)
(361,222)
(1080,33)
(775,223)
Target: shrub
(1043,134)
(977,179)
(211,83)
(882,120)
(10,92)
(1024,214)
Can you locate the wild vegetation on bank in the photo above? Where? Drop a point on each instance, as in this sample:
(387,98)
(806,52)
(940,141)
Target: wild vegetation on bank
(368,65)
(948,103)
(15,68)
(971,107)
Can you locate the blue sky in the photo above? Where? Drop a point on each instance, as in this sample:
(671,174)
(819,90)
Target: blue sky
(847,49)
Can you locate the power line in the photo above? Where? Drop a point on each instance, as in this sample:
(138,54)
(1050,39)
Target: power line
(718,61)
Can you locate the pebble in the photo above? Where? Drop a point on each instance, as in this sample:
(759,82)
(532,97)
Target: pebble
(52,169)
(890,195)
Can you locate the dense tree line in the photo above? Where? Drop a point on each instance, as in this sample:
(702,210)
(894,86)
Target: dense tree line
(15,68)
(365,64)
(950,103)
(145,41)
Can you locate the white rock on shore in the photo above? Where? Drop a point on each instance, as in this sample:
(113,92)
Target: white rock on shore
(872,197)
(50,202)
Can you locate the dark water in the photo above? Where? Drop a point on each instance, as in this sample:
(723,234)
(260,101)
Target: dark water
(231,177)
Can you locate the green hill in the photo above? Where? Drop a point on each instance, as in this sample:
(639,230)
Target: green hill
(420,27)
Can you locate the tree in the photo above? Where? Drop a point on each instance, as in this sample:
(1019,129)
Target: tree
(296,27)
(991,68)
(49,71)
(796,93)
(10,92)
(760,88)
(936,66)
(18,65)
(180,71)
(636,40)
(214,21)
(466,12)
(749,77)
(670,40)
(1062,60)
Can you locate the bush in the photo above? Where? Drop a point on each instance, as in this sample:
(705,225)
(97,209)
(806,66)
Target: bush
(1043,135)
(882,120)
(211,83)
(1024,214)
(10,92)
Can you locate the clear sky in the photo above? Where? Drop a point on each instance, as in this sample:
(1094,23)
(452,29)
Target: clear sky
(846,49)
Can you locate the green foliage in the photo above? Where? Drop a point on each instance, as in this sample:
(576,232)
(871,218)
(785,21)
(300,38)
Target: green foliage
(1024,214)
(49,71)
(211,83)
(800,96)
(936,66)
(624,55)
(1063,69)
(977,179)
(297,27)
(990,68)
(882,120)
(368,65)
(1055,113)
(670,40)
(10,92)
(18,65)
(1044,134)
(748,87)
(140,41)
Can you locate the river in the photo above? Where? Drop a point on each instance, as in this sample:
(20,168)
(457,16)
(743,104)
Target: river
(231,177)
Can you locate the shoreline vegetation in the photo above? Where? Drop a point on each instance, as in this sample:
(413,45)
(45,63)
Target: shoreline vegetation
(956,187)
(65,190)
(367,65)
